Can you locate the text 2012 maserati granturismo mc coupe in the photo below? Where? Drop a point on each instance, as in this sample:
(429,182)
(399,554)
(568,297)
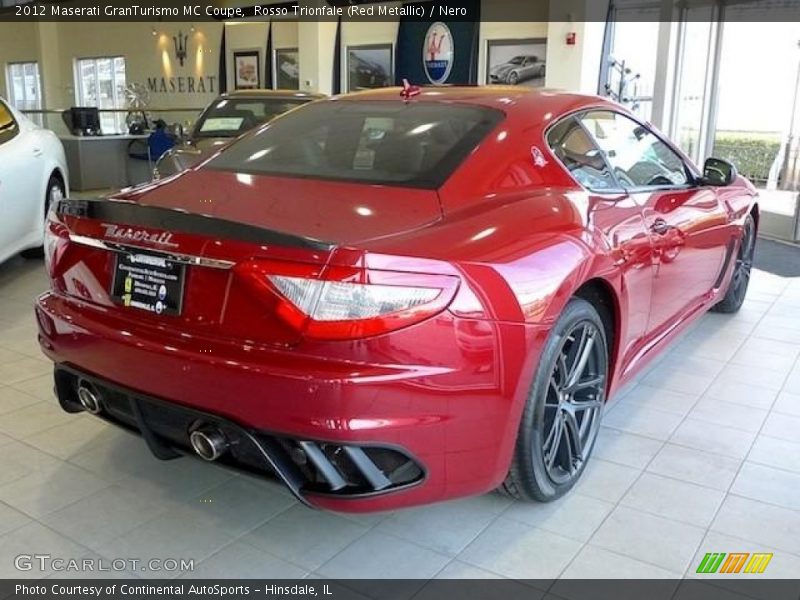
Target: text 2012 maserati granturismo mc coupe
(389,299)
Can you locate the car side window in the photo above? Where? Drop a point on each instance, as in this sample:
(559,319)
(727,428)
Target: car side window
(8,125)
(580,156)
(639,159)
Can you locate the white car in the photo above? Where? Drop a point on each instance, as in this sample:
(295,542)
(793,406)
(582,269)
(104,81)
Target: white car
(33,174)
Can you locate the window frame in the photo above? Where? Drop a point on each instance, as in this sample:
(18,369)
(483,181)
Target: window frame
(10,96)
(119,102)
(692,175)
(574,116)
(17,129)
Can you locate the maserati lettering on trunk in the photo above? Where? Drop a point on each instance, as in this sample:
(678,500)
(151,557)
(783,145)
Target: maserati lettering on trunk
(129,234)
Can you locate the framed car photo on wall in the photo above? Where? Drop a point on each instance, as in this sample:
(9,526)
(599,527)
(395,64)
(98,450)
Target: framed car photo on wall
(286,69)
(369,66)
(516,62)
(246,69)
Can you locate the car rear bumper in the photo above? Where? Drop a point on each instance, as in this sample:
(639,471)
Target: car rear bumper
(440,425)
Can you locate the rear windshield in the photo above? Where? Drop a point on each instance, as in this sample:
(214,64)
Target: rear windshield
(417,144)
(231,117)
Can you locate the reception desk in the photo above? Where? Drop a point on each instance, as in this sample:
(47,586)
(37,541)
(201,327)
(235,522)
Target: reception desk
(102,162)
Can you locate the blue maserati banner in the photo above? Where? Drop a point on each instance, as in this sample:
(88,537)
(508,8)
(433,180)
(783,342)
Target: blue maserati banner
(437,52)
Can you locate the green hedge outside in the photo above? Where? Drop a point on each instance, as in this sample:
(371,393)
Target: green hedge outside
(753,153)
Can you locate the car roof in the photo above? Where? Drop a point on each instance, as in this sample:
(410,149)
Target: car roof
(264,93)
(537,104)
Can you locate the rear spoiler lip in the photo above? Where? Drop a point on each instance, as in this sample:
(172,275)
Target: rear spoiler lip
(134,214)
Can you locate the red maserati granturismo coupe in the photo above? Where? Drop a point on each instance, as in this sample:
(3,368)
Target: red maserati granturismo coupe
(388,299)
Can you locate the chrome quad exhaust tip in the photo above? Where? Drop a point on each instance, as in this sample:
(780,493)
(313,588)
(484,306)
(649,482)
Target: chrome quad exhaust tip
(89,397)
(209,443)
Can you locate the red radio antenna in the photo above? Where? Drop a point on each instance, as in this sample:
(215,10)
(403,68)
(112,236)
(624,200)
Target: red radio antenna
(409,91)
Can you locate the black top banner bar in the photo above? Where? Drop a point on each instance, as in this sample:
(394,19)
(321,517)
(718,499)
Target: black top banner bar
(371,10)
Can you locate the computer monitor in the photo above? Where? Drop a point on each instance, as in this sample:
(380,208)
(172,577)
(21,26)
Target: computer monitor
(85,120)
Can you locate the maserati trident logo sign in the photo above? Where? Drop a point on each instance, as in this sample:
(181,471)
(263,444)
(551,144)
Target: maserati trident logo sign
(180,46)
(437,53)
(128,234)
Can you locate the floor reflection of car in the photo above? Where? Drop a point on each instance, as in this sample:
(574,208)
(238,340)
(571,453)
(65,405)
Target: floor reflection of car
(228,117)
(366,74)
(519,68)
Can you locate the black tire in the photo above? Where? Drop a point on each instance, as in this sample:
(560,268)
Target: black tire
(513,78)
(542,468)
(54,185)
(737,287)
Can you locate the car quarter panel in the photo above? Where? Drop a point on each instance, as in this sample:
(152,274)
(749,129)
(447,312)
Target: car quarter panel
(522,256)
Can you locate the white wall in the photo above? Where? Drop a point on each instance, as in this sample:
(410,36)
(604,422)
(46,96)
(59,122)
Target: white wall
(576,68)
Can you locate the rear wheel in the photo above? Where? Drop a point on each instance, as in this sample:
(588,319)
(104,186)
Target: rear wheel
(737,288)
(562,415)
(55,192)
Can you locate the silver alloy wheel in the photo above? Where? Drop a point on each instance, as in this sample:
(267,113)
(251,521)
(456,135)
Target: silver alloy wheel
(574,403)
(744,262)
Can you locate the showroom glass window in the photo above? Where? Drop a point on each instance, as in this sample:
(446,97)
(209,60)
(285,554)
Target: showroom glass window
(637,156)
(101,82)
(572,145)
(25,87)
(8,125)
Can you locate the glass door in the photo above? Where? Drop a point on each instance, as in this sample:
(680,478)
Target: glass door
(693,81)
(757,126)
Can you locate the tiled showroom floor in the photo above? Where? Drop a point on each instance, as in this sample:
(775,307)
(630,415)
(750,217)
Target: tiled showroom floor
(702,455)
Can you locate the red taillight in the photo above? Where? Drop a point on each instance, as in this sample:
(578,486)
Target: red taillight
(348,303)
(56,238)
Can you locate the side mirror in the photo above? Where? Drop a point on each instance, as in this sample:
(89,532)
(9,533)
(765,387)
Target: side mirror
(719,172)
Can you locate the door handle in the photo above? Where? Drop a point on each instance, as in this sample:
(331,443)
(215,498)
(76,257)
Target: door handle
(37,152)
(660,226)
